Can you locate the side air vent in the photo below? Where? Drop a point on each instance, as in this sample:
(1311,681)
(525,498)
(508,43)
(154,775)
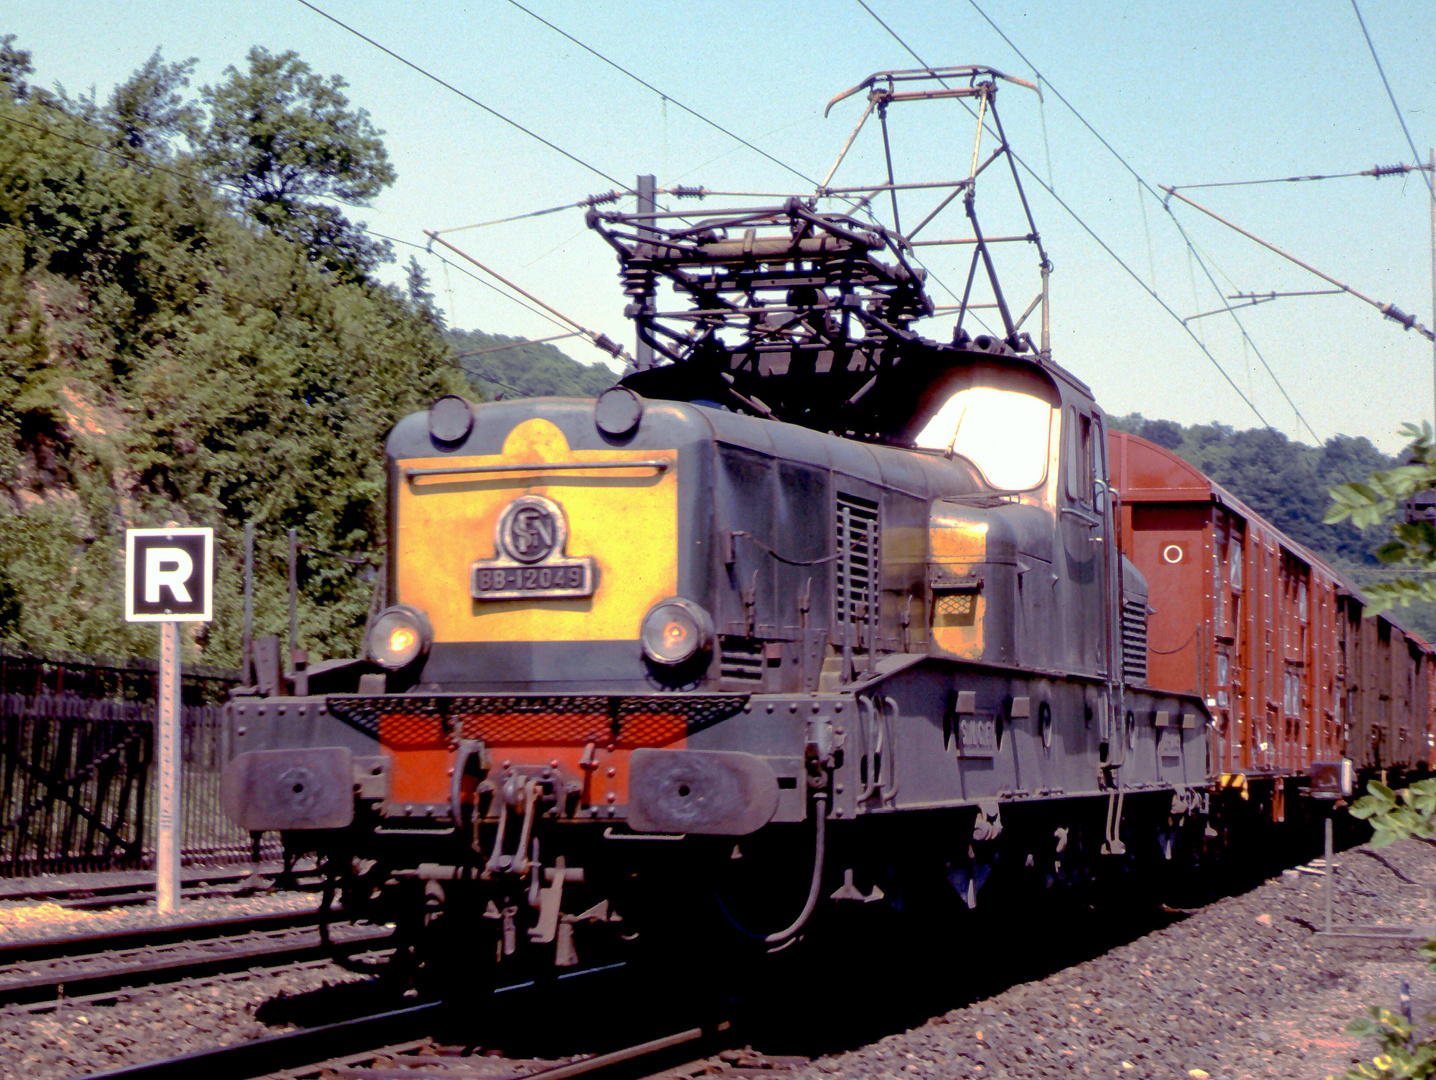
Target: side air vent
(741,659)
(1134,640)
(855,581)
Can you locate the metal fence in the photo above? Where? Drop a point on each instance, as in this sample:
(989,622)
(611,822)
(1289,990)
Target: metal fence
(77,786)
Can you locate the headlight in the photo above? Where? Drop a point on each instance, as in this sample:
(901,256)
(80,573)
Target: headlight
(399,635)
(675,631)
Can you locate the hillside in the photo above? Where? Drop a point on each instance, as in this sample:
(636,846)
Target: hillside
(509,367)
(164,358)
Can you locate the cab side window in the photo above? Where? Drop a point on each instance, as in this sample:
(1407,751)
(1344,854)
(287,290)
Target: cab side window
(1081,457)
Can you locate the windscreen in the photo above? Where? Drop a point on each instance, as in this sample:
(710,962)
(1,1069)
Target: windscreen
(1005,433)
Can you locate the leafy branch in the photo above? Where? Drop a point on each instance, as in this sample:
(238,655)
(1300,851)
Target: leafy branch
(1381,496)
(1393,815)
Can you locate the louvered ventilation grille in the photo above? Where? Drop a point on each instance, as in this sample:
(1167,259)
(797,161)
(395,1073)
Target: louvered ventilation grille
(1134,640)
(858,545)
(742,659)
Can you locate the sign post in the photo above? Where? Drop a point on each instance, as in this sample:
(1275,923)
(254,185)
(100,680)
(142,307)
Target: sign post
(169,579)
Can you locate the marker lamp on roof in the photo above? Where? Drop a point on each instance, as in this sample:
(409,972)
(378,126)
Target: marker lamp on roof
(399,636)
(674,631)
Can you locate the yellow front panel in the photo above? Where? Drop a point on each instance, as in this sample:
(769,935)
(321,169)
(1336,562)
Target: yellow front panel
(626,520)
(957,539)
(958,545)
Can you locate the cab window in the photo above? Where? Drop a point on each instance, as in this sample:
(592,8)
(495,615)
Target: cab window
(1082,458)
(1005,433)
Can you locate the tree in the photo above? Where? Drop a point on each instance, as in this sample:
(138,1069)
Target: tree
(162,359)
(420,295)
(14,67)
(516,368)
(148,110)
(283,138)
(1384,495)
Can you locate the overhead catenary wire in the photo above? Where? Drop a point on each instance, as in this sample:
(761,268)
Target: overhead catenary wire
(1078,219)
(1142,182)
(665,96)
(677,191)
(1247,339)
(467,97)
(1397,108)
(1376,171)
(130,158)
(592,200)
(602,341)
(211,287)
(1391,311)
(147,163)
(1253,299)
(516,344)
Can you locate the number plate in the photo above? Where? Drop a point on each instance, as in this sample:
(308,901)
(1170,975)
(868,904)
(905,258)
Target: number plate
(555,579)
(1169,747)
(978,737)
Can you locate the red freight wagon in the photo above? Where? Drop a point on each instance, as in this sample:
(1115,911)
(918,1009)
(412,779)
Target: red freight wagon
(1272,638)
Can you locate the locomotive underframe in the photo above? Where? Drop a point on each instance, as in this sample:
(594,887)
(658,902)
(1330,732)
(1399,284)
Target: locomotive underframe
(540,848)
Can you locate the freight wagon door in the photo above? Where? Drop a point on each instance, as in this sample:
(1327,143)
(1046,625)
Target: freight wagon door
(1167,545)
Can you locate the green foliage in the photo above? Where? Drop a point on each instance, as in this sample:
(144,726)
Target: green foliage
(1394,816)
(284,137)
(1379,499)
(147,111)
(14,67)
(1284,481)
(525,370)
(161,359)
(420,296)
(1400,1053)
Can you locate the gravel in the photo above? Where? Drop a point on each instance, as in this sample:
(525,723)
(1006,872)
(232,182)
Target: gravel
(32,920)
(1242,988)
(76,1039)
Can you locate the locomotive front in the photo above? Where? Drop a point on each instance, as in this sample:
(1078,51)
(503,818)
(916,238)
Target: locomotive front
(608,622)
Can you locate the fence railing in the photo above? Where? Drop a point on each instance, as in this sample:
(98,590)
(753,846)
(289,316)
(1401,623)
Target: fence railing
(77,786)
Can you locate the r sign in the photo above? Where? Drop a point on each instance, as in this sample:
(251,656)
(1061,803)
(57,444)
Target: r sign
(169,575)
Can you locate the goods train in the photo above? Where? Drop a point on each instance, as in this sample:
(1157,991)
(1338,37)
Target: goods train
(808,610)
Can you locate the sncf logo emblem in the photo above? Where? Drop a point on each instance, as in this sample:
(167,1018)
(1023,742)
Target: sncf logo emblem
(530,528)
(529,560)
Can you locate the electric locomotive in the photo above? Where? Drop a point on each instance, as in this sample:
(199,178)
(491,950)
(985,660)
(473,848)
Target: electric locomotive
(808,609)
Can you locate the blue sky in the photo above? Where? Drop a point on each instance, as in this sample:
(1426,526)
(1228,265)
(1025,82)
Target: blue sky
(1186,92)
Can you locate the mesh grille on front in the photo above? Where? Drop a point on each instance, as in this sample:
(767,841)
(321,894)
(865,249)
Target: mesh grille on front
(408,730)
(957,604)
(405,720)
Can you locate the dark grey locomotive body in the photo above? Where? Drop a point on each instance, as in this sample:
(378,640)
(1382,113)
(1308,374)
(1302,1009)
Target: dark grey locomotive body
(783,631)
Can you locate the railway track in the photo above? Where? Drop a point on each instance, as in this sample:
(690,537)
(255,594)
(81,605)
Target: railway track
(84,895)
(691,1053)
(41,973)
(454,1040)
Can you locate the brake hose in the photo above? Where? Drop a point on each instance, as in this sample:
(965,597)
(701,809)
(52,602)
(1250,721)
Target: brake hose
(782,937)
